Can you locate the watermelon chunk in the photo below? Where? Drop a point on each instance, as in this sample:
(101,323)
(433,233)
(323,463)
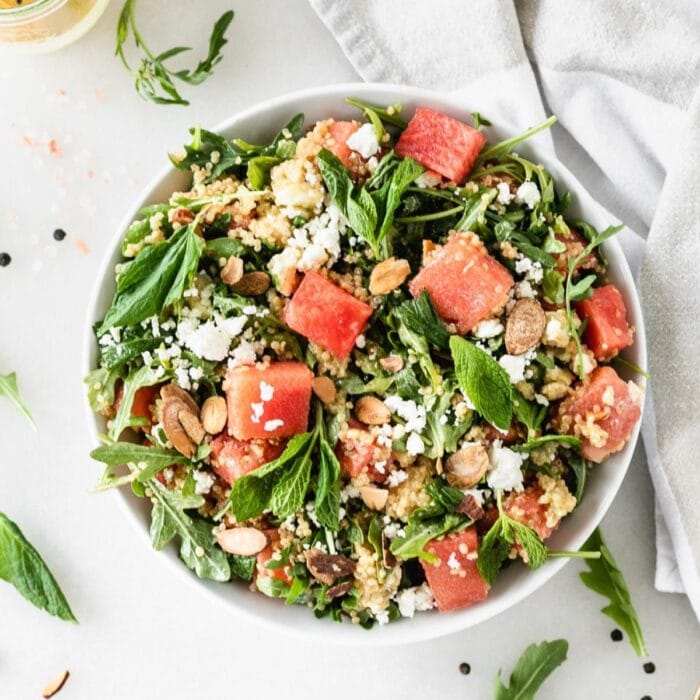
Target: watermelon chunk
(607,331)
(441,143)
(526,508)
(232,459)
(465,284)
(359,453)
(280,573)
(455,580)
(575,243)
(268,401)
(326,314)
(144,401)
(601,411)
(339,133)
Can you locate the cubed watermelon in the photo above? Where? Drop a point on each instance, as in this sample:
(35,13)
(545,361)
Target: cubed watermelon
(465,284)
(607,331)
(268,401)
(441,143)
(143,404)
(455,580)
(358,453)
(602,411)
(338,135)
(232,458)
(526,508)
(326,314)
(273,547)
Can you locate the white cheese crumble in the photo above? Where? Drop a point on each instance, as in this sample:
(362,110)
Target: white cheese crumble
(489,328)
(530,268)
(267,391)
(505,468)
(504,195)
(528,194)
(409,410)
(453,562)
(414,445)
(364,141)
(515,365)
(396,477)
(417,599)
(273,424)
(244,354)
(258,410)
(428,180)
(203,481)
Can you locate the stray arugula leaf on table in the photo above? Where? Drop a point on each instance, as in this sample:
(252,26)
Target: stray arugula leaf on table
(22,566)
(606,579)
(532,669)
(9,389)
(154,80)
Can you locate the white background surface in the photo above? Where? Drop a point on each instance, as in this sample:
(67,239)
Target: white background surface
(143,632)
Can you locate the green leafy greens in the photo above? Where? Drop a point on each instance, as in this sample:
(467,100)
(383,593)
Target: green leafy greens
(154,80)
(533,668)
(22,566)
(9,389)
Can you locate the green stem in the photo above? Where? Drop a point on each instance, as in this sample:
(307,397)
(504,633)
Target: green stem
(581,554)
(430,217)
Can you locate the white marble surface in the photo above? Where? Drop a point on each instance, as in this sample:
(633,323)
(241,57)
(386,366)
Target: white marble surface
(144,633)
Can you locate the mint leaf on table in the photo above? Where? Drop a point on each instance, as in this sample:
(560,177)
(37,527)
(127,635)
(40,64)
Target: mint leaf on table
(22,566)
(484,381)
(533,668)
(606,579)
(8,389)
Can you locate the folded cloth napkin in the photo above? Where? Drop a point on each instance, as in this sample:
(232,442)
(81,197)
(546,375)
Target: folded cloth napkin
(621,78)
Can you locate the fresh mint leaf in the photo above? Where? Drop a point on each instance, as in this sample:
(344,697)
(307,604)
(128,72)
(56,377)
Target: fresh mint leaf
(404,175)
(289,491)
(484,381)
(419,531)
(529,413)
(533,668)
(420,316)
(9,389)
(328,487)
(606,579)
(22,566)
(579,467)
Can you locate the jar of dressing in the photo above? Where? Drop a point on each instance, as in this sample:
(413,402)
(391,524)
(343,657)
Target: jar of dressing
(40,26)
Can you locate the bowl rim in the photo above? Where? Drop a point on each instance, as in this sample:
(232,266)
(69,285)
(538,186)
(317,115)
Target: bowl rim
(400,632)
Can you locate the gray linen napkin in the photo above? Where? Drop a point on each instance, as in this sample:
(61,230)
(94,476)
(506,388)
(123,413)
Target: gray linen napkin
(621,78)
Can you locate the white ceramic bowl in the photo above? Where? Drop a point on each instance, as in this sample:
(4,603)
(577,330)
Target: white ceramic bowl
(258,124)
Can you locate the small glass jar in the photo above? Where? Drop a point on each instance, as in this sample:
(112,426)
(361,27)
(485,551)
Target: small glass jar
(40,26)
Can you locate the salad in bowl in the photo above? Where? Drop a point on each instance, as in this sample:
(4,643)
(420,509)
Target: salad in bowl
(364,367)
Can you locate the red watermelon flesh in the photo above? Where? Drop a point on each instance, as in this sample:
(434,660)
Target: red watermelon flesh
(602,402)
(339,133)
(526,508)
(268,553)
(232,458)
(455,580)
(268,401)
(441,143)
(607,331)
(575,243)
(465,284)
(359,453)
(326,314)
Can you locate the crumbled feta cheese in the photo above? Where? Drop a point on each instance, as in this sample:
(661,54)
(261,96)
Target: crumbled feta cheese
(361,341)
(203,481)
(428,180)
(504,195)
(396,477)
(273,424)
(417,599)
(380,467)
(364,141)
(453,562)
(524,290)
(267,391)
(409,410)
(477,494)
(258,410)
(382,617)
(505,468)
(489,328)
(528,194)
(515,365)
(542,400)
(414,444)
(530,268)
(244,354)
(183,378)
(348,492)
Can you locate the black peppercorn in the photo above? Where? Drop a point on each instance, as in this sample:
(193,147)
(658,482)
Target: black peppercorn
(5,259)
(616,636)
(465,668)
(649,667)
(59,234)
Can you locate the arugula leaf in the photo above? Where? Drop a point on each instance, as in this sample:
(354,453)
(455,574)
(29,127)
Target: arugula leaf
(532,251)
(497,150)
(328,488)
(142,377)
(22,566)
(114,356)
(101,386)
(529,413)
(579,467)
(155,279)
(553,286)
(535,442)
(444,431)
(606,579)
(484,381)
(153,79)
(444,495)
(242,567)
(423,526)
(533,668)
(404,175)
(389,115)
(8,389)
(150,460)
(420,316)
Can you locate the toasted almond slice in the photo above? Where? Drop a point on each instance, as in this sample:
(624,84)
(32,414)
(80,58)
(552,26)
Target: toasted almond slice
(192,426)
(338,590)
(525,325)
(327,568)
(252,284)
(232,271)
(324,388)
(374,497)
(51,688)
(471,507)
(393,363)
(371,411)
(467,466)
(243,541)
(388,275)
(175,391)
(214,414)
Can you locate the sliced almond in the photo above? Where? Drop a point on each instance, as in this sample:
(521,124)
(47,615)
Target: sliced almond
(192,426)
(328,568)
(525,326)
(232,271)
(324,388)
(371,411)
(470,506)
(214,414)
(51,688)
(252,284)
(175,391)
(388,275)
(393,363)
(374,497)
(174,430)
(466,467)
(338,590)
(243,541)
